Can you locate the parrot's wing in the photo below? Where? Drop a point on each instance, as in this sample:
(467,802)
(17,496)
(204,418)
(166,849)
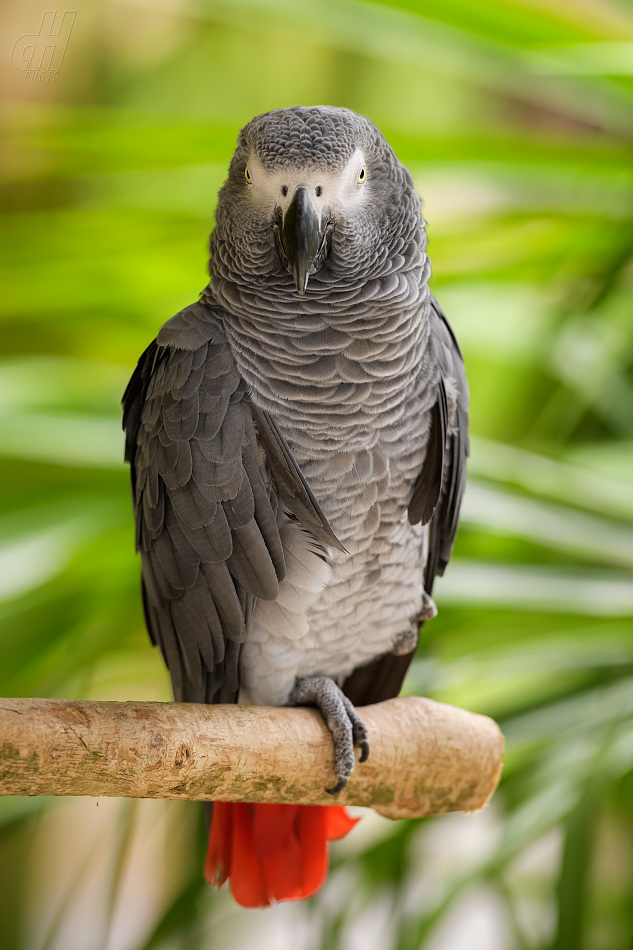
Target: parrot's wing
(444,521)
(208,469)
(436,498)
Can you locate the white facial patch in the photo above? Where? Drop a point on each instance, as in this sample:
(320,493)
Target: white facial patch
(327,189)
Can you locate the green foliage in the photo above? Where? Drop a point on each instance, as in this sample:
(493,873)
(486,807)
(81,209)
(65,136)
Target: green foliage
(516,120)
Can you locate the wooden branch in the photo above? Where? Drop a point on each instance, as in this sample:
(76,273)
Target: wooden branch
(426,757)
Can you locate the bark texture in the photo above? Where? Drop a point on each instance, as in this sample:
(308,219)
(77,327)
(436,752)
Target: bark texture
(426,757)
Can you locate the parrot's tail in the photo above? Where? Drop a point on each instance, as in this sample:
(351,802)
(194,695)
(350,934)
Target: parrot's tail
(272,852)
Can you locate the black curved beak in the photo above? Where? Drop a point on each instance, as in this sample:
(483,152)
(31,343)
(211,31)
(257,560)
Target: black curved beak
(303,238)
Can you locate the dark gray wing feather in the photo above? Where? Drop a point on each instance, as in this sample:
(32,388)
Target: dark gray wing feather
(206,524)
(443,527)
(428,485)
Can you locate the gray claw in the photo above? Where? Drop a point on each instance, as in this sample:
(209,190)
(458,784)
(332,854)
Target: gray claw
(346,726)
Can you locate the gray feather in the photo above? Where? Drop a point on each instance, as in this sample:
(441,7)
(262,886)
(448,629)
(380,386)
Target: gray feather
(250,563)
(291,484)
(428,486)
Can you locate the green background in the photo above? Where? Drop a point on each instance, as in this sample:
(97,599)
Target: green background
(516,120)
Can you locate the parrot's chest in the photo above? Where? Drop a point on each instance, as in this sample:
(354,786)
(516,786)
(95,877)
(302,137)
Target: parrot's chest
(357,423)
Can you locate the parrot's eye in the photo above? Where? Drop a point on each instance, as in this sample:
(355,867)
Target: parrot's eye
(247,176)
(362,175)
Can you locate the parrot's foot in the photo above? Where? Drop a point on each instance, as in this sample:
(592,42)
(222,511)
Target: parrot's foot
(342,720)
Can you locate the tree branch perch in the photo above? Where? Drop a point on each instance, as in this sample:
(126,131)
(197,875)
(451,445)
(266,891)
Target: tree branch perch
(426,757)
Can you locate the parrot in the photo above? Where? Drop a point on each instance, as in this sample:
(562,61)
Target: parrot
(298,440)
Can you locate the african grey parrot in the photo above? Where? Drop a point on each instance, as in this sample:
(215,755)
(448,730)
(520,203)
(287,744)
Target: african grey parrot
(297,440)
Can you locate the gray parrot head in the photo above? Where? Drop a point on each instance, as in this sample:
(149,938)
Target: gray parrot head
(312,191)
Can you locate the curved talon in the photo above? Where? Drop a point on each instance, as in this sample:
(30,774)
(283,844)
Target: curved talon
(359,730)
(346,726)
(340,785)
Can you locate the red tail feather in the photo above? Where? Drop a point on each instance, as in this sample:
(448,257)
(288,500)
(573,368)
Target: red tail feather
(272,852)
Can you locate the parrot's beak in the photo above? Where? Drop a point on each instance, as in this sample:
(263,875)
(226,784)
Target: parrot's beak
(303,238)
